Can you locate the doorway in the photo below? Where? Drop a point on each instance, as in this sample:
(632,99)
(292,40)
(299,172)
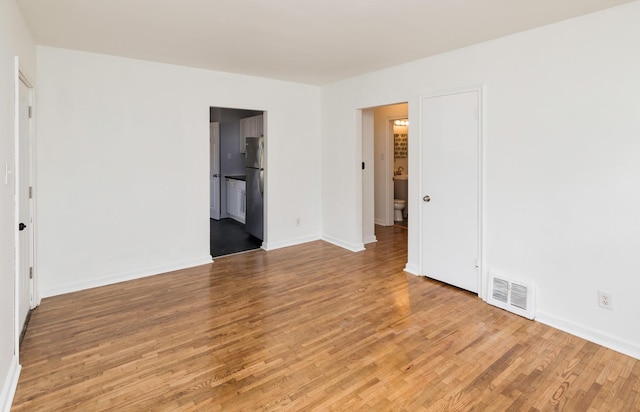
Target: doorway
(381,139)
(378,174)
(399,138)
(232,223)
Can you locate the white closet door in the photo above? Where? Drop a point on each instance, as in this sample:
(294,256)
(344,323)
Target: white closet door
(450,142)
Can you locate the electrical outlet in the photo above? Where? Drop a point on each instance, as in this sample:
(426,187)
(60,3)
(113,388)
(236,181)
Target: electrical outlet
(605,300)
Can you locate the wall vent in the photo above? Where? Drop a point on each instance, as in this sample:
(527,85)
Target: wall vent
(512,295)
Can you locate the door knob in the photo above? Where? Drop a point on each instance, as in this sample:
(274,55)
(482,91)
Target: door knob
(427,199)
(216,175)
(21,226)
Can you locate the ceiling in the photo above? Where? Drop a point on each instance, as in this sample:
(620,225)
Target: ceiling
(305,41)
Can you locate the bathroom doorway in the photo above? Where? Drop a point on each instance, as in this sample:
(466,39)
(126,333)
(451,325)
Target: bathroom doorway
(399,135)
(378,154)
(391,154)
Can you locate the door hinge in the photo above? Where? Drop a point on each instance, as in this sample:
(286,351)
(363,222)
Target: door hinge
(31,272)
(362,165)
(30,112)
(30,192)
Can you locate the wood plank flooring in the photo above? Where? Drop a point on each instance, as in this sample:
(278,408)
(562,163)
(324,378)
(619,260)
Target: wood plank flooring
(310,327)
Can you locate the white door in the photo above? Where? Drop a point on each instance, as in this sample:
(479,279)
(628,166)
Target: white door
(214,170)
(25,227)
(450,188)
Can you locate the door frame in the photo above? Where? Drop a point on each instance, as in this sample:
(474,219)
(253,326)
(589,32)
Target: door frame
(367,175)
(33,283)
(480,179)
(365,140)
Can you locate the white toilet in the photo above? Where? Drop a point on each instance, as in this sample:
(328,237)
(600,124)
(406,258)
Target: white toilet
(398,207)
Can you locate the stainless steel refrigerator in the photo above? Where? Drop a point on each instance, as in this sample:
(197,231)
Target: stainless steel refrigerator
(254,167)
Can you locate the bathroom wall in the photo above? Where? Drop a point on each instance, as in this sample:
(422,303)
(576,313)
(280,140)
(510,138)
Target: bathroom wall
(400,148)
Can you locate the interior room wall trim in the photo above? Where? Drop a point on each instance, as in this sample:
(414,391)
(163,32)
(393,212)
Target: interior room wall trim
(354,247)
(124,276)
(8,389)
(289,242)
(620,345)
(413,269)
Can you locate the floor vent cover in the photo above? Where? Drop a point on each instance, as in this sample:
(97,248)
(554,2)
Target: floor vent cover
(512,295)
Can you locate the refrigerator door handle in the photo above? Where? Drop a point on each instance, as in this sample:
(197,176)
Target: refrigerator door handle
(261,153)
(261,183)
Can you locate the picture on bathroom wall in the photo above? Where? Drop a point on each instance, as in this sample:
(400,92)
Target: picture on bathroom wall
(400,145)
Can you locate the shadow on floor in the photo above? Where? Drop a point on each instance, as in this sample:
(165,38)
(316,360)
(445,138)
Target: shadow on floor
(228,237)
(403,223)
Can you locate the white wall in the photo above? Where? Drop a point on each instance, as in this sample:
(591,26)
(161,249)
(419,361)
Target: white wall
(561,167)
(401,162)
(123,162)
(15,40)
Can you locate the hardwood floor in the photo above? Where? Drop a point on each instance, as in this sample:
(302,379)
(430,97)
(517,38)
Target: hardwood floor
(310,327)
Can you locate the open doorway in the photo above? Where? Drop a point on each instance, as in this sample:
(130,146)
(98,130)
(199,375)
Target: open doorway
(390,156)
(399,131)
(379,154)
(236,180)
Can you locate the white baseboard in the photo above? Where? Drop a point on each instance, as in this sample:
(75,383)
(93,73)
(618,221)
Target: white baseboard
(370,239)
(123,277)
(592,335)
(619,345)
(8,390)
(354,247)
(413,269)
(381,222)
(290,242)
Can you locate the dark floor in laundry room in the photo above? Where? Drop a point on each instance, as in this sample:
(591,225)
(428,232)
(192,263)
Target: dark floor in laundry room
(228,237)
